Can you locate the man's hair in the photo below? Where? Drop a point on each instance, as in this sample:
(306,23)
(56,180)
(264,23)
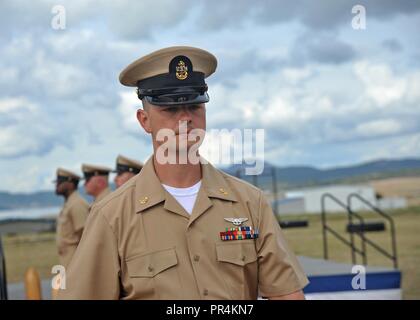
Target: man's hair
(145,104)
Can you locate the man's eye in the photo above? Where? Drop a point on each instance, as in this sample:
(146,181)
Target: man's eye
(194,107)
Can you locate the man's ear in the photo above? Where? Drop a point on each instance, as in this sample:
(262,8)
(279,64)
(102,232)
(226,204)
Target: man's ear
(144,120)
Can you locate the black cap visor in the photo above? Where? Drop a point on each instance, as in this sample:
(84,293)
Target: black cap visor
(88,175)
(121,168)
(61,179)
(175,96)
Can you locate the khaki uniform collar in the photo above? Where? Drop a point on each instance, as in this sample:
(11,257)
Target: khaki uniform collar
(215,183)
(149,191)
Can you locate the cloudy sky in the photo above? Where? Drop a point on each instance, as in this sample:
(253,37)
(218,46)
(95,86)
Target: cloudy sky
(325,93)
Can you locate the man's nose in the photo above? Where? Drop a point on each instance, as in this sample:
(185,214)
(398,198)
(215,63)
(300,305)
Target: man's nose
(184,114)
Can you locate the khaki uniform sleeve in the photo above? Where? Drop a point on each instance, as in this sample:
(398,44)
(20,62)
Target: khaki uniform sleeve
(279,271)
(94,271)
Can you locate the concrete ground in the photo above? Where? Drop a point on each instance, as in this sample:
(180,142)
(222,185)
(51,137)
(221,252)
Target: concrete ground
(16,291)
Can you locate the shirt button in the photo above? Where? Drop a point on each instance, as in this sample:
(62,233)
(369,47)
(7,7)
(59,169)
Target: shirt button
(205,292)
(150,268)
(196,257)
(243,258)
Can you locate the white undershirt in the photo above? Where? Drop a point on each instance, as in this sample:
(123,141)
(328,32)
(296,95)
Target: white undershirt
(185,196)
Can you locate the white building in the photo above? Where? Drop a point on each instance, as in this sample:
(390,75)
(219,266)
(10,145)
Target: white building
(308,200)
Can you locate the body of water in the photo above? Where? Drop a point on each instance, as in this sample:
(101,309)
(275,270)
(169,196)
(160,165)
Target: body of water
(30,213)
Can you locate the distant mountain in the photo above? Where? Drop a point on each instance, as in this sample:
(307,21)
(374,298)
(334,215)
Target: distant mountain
(29,200)
(296,176)
(33,200)
(287,178)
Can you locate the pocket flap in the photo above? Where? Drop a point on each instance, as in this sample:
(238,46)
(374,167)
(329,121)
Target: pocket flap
(150,264)
(237,253)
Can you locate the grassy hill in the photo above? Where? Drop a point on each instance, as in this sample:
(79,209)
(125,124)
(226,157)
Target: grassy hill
(295,176)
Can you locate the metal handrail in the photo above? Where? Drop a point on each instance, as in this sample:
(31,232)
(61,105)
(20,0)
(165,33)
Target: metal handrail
(326,228)
(393,256)
(3,282)
(361,234)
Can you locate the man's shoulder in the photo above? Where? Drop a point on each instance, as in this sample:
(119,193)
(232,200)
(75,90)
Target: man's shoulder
(78,203)
(116,202)
(79,200)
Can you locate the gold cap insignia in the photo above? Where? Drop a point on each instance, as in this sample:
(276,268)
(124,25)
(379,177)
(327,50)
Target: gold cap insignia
(181,70)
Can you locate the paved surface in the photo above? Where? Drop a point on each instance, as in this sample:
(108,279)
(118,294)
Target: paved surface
(16,291)
(316,267)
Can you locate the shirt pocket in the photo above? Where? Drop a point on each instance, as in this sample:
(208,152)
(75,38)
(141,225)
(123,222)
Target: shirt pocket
(237,253)
(238,267)
(150,264)
(152,275)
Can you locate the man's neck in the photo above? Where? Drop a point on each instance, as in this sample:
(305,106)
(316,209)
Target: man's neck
(178,175)
(68,194)
(99,192)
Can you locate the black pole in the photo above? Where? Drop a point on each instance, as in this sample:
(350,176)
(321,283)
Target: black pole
(3,282)
(324,227)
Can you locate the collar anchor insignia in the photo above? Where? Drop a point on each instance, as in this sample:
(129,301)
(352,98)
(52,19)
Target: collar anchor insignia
(181,70)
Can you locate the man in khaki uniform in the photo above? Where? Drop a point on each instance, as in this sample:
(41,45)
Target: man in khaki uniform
(71,220)
(96,181)
(126,168)
(181,230)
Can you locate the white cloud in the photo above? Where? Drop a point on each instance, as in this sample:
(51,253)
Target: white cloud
(380,82)
(60,79)
(379,128)
(16,105)
(25,180)
(295,75)
(413,88)
(23,130)
(127,108)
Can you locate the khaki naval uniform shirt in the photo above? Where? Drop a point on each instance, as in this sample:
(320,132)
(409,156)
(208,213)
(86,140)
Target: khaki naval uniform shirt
(70,223)
(140,243)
